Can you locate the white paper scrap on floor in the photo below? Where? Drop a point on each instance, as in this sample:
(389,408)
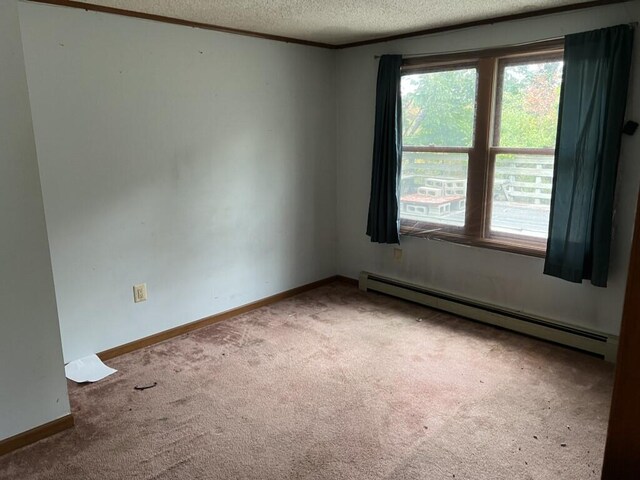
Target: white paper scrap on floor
(87,369)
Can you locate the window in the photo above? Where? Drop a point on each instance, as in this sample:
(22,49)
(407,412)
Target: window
(478,146)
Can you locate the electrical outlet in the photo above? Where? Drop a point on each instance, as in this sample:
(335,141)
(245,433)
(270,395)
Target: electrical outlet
(140,293)
(397,254)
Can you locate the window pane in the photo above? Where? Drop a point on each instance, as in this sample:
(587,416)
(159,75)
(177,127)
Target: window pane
(529,105)
(522,194)
(438,108)
(433,187)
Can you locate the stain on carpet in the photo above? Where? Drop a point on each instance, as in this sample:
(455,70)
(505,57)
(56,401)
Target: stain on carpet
(335,384)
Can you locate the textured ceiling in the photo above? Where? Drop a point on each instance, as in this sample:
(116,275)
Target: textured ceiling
(333,21)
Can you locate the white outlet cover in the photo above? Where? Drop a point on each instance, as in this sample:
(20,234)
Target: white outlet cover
(140,292)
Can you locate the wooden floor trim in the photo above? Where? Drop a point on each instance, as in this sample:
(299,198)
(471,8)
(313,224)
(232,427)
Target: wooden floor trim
(189,327)
(35,434)
(350,281)
(43,431)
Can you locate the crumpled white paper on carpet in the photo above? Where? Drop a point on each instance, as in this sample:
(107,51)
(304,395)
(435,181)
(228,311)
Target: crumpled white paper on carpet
(87,369)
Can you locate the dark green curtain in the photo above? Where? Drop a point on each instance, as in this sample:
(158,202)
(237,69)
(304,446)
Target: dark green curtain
(591,116)
(383,224)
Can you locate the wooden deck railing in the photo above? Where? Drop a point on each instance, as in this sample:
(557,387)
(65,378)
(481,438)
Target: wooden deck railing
(525,179)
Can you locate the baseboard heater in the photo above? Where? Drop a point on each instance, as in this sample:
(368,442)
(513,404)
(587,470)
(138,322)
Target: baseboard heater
(563,333)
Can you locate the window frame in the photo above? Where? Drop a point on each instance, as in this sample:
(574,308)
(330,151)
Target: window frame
(490,64)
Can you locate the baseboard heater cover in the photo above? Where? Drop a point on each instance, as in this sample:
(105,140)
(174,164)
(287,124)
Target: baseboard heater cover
(581,338)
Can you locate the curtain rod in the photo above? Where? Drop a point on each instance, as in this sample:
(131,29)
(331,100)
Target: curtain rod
(474,50)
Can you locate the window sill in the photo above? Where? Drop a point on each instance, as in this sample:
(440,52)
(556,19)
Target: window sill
(527,247)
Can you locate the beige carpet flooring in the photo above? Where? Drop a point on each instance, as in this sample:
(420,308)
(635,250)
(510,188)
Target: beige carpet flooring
(336,384)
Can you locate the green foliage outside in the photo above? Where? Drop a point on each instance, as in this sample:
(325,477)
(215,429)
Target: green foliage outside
(439,107)
(531,95)
(439,110)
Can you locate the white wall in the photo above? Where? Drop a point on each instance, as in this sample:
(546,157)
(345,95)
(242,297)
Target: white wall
(33,389)
(199,162)
(510,280)
(204,164)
